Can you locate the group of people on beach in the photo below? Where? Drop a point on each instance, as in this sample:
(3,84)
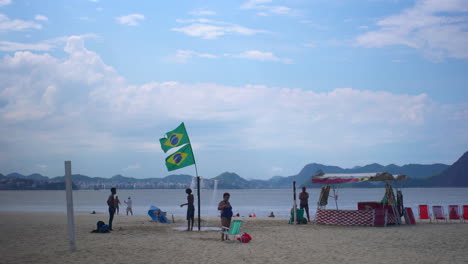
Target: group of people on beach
(224,207)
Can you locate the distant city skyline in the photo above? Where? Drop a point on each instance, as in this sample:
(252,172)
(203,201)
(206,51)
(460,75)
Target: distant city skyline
(264,87)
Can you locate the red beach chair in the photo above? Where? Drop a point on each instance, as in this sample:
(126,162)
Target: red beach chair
(454,212)
(424,212)
(465,213)
(438,212)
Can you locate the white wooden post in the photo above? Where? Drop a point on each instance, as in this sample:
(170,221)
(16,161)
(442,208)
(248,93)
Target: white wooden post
(71,222)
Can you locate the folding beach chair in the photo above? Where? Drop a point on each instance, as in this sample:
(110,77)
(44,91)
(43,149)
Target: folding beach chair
(438,212)
(424,212)
(300,217)
(233,230)
(454,212)
(465,213)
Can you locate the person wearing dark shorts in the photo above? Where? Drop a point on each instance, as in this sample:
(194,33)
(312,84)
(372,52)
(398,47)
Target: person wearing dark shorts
(304,204)
(111,204)
(190,209)
(226,213)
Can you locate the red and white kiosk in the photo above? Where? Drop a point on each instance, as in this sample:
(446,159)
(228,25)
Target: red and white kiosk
(367,213)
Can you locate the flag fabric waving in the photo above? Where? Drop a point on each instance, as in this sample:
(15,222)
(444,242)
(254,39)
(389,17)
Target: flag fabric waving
(181,158)
(174,138)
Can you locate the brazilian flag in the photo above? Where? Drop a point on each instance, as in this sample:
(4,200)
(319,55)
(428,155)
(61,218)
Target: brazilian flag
(181,158)
(174,138)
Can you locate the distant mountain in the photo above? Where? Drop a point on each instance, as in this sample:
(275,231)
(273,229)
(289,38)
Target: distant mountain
(229,180)
(180,178)
(37,177)
(455,176)
(442,175)
(15,175)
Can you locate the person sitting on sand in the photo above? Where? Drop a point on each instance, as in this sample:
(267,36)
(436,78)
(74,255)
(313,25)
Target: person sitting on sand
(226,213)
(190,209)
(271,214)
(129,204)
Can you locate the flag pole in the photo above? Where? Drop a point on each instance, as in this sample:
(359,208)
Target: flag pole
(198,179)
(294,203)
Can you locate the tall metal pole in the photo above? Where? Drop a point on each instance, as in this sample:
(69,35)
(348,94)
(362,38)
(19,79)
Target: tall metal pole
(198,194)
(294,203)
(335,197)
(198,181)
(71,222)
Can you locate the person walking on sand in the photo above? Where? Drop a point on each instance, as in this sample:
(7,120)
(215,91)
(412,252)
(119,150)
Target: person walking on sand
(190,209)
(111,204)
(304,204)
(226,213)
(117,204)
(129,204)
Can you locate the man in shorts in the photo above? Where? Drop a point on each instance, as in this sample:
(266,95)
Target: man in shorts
(304,204)
(190,209)
(111,204)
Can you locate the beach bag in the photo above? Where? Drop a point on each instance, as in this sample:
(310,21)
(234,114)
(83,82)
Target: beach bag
(245,238)
(101,227)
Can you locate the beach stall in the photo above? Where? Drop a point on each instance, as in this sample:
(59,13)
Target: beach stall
(382,213)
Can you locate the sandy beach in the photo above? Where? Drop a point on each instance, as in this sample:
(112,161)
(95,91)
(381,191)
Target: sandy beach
(42,238)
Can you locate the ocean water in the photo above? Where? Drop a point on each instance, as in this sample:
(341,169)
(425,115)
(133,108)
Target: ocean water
(244,202)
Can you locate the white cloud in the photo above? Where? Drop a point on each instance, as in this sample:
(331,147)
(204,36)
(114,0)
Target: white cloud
(183,56)
(439,29)
(315,25)
(261,56)
(130,20)
(80,104)
(4,2)
(210,29)
(132,167)
(276,170)
(45,45)
(41,18)
(14,46)
(265,8)
(202,12)
(41,166)
(7,24)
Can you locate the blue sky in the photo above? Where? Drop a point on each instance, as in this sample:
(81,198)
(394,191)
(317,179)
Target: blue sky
(263,86)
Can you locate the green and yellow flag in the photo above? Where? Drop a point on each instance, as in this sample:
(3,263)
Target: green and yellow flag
(174,138)
(181,158)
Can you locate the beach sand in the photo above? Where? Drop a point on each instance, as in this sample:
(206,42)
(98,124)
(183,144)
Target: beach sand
(43,238)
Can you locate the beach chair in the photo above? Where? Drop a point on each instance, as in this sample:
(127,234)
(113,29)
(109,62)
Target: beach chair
(454,212)
(438,212)
(300,217)
(424,212)
(465,213)
(233,230)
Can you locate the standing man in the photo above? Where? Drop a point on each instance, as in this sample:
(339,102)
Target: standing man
(129,204)
(304,204)
(111,204)
(190,209)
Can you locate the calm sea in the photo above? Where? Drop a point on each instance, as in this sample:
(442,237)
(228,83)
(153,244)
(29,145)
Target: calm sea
(260,202)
